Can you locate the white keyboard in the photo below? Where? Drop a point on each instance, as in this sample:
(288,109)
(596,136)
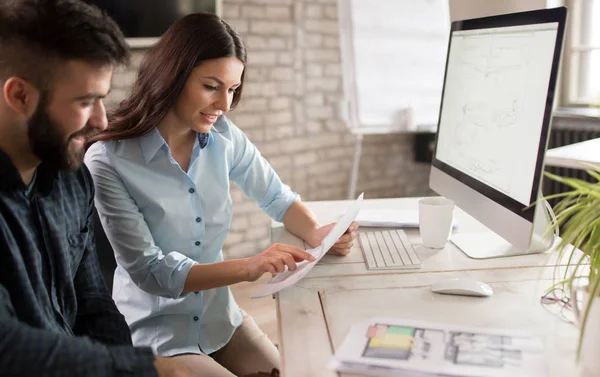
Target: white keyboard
(388,250)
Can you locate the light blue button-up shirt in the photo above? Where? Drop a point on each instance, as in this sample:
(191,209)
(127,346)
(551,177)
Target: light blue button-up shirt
(162,220)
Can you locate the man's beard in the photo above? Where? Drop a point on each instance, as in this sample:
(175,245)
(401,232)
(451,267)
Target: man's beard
(49,145)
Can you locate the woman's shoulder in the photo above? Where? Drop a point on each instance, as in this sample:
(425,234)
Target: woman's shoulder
(110,149)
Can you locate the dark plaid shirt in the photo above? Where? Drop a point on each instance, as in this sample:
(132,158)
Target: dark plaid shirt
(56,315)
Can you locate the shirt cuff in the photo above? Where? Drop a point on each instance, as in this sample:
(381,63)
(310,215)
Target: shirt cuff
(133,361)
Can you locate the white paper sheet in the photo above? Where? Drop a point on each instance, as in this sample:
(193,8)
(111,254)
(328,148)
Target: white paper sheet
(387,345)
(288,278)
(391,218)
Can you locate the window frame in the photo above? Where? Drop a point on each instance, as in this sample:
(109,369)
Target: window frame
(571,75)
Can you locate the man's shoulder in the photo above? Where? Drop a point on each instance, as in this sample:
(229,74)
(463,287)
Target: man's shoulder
(77,179)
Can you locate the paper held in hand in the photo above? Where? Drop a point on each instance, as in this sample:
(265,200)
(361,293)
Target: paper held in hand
(288,278)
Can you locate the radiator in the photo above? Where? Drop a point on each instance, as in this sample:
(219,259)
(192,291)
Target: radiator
(560,137)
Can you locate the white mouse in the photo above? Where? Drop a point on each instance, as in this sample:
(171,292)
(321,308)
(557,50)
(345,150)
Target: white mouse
(462,287)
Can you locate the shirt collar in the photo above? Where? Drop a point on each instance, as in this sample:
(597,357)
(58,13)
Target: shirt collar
(150,144)
(153,141)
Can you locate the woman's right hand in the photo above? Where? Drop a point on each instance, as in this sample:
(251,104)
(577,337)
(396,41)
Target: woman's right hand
(274,260)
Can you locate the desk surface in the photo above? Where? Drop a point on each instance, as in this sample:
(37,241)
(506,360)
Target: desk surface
(433,260)
(571,156)
(315,314)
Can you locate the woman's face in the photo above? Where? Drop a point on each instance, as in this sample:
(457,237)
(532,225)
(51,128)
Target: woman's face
(208,92)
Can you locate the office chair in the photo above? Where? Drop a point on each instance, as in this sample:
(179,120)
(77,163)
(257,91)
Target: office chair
(106,256)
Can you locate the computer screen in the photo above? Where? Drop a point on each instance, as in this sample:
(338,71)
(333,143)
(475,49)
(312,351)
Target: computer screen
(495,117)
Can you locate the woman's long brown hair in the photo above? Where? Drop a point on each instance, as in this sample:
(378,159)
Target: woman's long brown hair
(166,68)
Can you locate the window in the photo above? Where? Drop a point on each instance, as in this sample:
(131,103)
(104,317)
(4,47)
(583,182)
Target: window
(581,69)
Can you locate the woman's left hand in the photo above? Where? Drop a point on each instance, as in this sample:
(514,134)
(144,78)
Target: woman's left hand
(344,244)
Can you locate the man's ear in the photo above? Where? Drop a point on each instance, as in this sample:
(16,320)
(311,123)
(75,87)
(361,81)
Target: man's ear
(21,96)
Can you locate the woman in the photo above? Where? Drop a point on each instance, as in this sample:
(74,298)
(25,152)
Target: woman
(162,172)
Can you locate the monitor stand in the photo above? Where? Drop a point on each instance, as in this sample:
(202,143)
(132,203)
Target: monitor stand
(485,245)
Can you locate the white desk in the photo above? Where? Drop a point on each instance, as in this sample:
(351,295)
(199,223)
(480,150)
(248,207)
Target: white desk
(315,315)
(571,156)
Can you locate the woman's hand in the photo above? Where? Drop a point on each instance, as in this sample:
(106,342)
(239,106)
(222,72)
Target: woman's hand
(274,260)
(344,244)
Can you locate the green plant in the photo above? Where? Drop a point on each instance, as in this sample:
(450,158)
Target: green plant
(578,218)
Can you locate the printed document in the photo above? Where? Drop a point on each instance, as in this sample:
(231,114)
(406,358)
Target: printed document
(392,346)
(289,278)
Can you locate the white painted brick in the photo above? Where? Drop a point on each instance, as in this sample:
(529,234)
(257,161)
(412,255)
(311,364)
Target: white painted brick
(272,2)
(331,12)
(314,11)
(299,116)
(331,42)
(322,84)
(285,58)
(253,11)
(314,99)
(280,103)
(314,70)
(272,148)
(246,120)
(256,135)
(254,73)
(239,223)
(242,250)
(231,11)
(234,238)
(280,132)
(259,231)
(278,118)
(117,94)
(280,162)
(293,145)
(314,127)
(335,125)
(322,55)
(255,43)
(282,73)
(241,26)
(337,153)
(286,88)
(322,26)
(312,40)
(260,89)
(307,158)
(333,69)
(278,12)
(263,58)
(271,27)
(277,43)
(252,105)
(319,112)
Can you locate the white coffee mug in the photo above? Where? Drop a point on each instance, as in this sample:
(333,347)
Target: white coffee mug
(589,362)
(435,221)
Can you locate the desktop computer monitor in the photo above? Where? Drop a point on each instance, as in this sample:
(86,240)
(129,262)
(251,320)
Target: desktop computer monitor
(493,127)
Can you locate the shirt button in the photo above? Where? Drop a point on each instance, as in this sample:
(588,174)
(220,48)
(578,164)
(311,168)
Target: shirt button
(197,243)
(195,318)
(191,191)
(198,219)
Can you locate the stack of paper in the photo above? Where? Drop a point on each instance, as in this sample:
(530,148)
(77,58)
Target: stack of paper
(394,347)
(390,219)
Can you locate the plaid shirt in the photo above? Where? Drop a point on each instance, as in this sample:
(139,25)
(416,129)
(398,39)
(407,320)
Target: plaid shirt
(56,315)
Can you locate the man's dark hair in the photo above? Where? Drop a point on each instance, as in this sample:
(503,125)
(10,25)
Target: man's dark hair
(36,36)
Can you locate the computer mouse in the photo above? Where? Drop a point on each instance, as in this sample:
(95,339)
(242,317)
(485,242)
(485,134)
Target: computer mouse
(462,287)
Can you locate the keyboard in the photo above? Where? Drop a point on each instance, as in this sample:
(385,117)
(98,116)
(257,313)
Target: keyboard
(388,250)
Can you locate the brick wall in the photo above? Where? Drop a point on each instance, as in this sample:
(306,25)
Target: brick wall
(289,110)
